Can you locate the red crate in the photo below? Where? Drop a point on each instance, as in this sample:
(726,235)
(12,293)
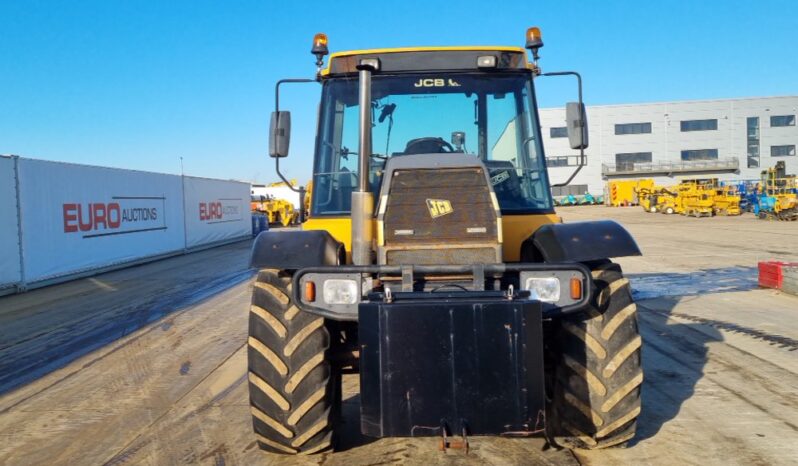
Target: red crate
(771,274)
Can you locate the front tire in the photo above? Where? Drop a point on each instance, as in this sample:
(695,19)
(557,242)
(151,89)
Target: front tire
(293,390)
(597,375)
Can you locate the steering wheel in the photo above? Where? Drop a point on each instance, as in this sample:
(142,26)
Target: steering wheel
(428,145)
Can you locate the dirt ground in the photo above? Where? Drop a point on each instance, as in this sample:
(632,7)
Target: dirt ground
(147,365)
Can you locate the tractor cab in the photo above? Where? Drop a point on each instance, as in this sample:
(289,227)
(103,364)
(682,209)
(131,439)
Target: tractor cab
(483,112)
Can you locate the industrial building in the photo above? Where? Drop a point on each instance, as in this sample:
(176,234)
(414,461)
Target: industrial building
(728,139)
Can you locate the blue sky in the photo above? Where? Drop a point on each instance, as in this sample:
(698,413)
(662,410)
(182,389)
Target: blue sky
(138,84)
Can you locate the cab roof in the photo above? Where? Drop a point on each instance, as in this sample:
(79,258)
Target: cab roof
(419,59)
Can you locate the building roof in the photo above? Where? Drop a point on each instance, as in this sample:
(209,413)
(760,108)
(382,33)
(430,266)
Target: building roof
(695,101)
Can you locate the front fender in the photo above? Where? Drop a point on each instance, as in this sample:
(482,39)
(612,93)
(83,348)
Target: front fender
(296,249)
(580,242)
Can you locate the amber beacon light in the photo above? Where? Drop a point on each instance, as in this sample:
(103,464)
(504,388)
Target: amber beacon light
(534,41)
(319,48)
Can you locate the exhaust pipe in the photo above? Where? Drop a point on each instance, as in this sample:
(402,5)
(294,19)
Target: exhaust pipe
(363,199)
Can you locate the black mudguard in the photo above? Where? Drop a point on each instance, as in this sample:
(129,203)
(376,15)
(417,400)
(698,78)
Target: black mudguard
(579,242)
(296,249)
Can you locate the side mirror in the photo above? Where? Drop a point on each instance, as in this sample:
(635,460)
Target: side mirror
(576,123)
(279,134)
(458,140)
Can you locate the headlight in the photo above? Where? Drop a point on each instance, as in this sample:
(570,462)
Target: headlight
(338,291)
(545,289)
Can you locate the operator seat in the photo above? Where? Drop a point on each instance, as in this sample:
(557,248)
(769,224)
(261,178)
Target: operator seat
(426,145)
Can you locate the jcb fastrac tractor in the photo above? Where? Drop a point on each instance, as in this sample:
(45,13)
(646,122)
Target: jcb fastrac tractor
(433,264)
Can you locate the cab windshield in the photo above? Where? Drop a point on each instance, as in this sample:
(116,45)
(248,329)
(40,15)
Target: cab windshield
(489,116)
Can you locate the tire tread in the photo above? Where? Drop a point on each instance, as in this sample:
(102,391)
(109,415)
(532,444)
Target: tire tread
(597,374)
(291,384)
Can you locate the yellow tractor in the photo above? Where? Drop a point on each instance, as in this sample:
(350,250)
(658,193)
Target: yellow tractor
(434,265)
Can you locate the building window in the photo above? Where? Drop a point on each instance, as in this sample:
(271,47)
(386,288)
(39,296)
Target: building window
(782,151)
(699,125)
(633,157)
(558,132)
(700,154)
(627,161)
(752,133)
(563,161)
(782,120)
(633,128)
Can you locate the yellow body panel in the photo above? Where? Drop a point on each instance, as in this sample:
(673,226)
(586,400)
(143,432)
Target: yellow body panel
(339,228)
(350,53)
(515,228)
(624,192)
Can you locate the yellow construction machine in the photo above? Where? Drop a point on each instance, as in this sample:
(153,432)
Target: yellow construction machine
(655,199)
(278,211)
(778,194)
(624,193)
(726,200)
(434,265)
(696,198)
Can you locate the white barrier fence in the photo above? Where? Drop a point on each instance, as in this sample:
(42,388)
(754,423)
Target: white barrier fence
(10,272)
(77,219)
(215,210)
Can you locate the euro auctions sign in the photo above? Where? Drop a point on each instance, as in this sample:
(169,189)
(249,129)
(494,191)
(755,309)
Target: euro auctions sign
(118,215)
(216,210)
(221,210)
(80,218)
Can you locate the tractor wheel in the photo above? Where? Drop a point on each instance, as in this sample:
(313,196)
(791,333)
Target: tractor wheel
(293,390)
(597,374)
(669,210)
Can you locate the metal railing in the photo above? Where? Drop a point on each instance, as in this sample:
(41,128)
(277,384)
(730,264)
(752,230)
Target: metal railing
(683,166)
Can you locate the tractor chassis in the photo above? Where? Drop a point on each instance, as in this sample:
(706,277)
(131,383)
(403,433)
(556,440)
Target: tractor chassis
(450,362)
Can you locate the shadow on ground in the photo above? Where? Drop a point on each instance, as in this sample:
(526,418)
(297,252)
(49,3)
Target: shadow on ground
(349,435)
(674,357)
(674,352)
(33,345)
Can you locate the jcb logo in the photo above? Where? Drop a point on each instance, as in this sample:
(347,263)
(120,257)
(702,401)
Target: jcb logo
(436,82)
(439,207)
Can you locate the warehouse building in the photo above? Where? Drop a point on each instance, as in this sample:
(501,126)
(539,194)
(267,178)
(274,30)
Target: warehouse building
(729,139)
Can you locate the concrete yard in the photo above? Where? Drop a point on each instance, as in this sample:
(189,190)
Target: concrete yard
(147,365)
